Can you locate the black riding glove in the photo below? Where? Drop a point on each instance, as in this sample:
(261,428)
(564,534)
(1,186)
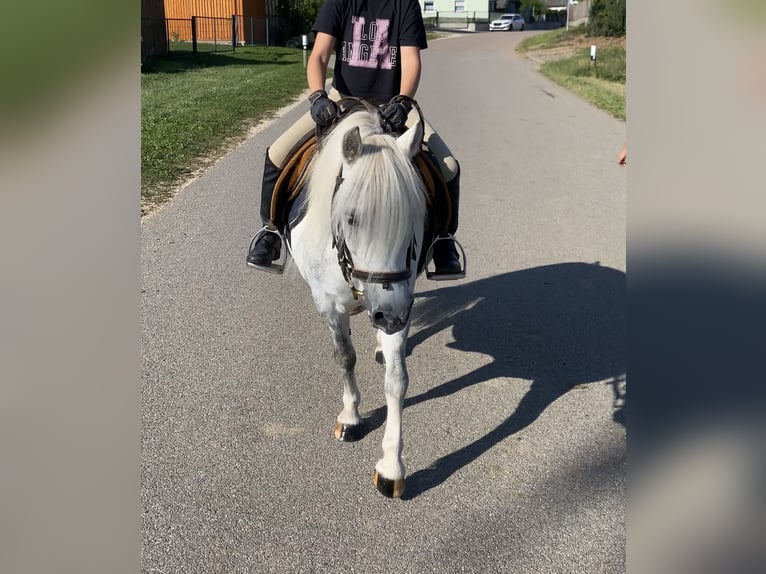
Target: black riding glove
(395,112)
(323,110)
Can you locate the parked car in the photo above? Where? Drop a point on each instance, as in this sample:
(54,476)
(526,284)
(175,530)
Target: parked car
(507,22)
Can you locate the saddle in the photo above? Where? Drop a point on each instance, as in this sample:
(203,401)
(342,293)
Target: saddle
(294,174)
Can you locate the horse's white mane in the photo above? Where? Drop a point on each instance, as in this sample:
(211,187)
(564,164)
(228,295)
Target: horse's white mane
(381,190)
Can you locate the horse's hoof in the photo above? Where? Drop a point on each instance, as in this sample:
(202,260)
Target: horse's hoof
(388,488)
(349,433)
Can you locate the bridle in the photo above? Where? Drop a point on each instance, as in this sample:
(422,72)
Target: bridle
(345,261)
(350,272)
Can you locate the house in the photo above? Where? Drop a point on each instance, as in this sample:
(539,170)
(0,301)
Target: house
(480,7)
(579,10)
(505,6)
(483,9)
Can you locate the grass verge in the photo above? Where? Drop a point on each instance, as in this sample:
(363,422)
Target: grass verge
(565,59)
(551,39)
(191,105)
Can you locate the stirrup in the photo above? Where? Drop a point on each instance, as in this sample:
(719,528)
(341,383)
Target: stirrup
(277,266)
(433,275)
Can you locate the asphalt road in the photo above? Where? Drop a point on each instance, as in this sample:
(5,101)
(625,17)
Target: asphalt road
(514,432)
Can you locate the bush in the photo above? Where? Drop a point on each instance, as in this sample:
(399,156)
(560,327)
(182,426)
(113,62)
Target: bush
(607,18)
(295,18)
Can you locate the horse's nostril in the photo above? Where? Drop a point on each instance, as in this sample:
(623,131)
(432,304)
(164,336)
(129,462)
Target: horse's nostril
(387,322)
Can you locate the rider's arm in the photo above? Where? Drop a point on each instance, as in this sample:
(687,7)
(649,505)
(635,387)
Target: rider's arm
(316,69)
(410,70)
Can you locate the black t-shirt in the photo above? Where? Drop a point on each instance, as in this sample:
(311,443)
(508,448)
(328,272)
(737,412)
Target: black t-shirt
(368,35)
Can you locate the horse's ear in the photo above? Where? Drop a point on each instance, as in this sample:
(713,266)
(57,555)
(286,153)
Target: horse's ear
(411,140)
(352,144)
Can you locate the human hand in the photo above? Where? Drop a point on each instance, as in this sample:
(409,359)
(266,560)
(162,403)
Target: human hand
(323,110)
(395,112)
(622,159)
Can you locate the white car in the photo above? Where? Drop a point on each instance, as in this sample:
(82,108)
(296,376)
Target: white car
(507,22)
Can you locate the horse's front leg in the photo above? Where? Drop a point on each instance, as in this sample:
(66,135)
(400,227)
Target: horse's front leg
(349,426)
(389,471)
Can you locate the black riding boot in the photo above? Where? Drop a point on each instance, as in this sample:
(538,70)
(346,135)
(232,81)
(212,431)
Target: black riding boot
(445,256)
(268,246)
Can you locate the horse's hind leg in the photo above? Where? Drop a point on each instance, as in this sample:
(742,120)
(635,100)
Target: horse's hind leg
(389,471)
(349,426)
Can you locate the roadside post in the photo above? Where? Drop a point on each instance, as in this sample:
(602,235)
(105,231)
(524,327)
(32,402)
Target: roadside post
(305,42)
(593,56)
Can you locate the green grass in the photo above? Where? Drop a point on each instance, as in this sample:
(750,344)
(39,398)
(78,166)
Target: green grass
(191,105)
(551,39)
(602,83)
(592,90)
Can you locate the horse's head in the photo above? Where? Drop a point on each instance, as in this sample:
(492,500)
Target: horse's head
(378,216)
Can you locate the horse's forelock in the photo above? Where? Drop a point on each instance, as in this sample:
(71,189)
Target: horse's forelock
(383,193)
(380,188)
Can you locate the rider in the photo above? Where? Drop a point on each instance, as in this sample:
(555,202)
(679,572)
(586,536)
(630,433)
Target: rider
(377,57)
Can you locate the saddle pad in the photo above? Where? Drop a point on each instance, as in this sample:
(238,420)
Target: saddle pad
(290,181)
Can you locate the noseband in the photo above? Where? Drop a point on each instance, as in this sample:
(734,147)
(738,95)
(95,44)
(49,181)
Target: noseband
(346,263)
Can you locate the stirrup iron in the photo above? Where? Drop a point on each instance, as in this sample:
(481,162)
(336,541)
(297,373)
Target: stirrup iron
(433,275)
(277,266)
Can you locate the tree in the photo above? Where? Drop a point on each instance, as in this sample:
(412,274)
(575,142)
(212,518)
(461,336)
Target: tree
(607,18)
(530,8)
(292,18)
(309,9)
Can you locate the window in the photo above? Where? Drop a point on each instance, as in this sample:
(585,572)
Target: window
(459,5)
(428,5)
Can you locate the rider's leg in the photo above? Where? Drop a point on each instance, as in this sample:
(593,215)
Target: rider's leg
(445,255)
(268,246)
(446,259)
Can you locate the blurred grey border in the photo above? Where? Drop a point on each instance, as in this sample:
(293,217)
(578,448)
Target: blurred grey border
(70,344)
(696,279)
(69,289)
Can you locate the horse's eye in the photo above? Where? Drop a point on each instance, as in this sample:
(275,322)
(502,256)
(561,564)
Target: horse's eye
(351,219)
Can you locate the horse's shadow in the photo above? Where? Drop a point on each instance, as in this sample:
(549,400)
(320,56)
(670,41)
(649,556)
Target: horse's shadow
(559,326)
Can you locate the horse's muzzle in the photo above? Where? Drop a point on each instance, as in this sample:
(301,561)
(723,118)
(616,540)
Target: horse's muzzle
(388,322)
